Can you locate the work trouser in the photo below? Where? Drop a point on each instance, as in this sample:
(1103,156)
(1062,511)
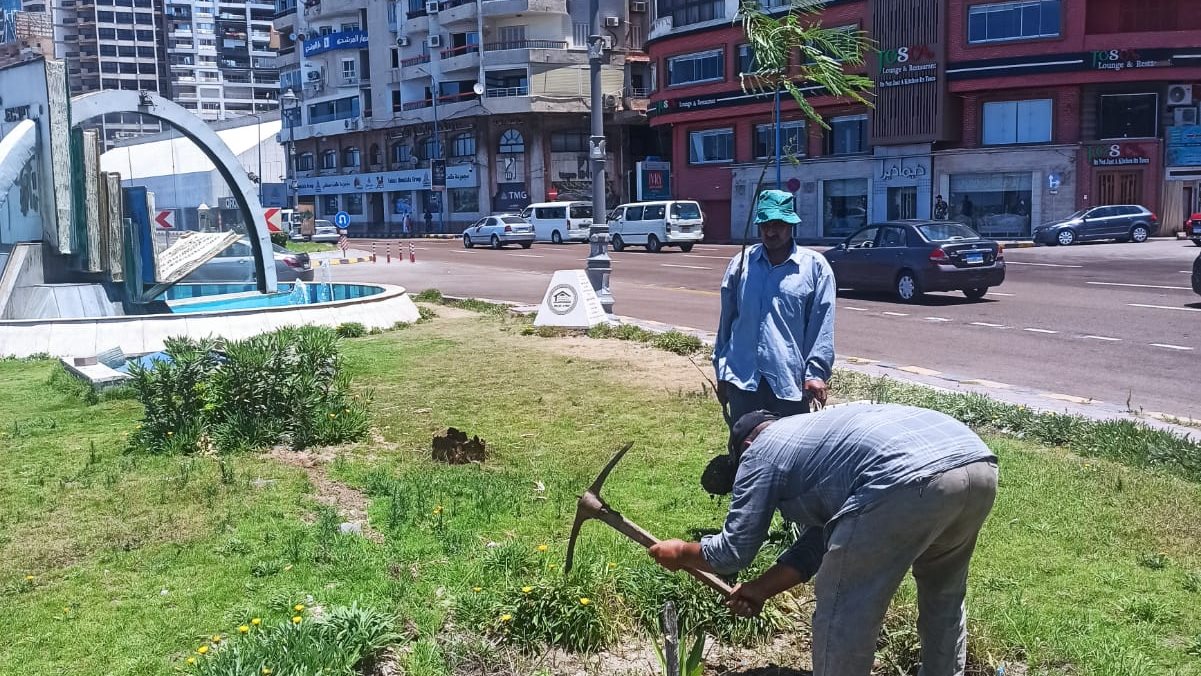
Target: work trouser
(931,527)
(743,401)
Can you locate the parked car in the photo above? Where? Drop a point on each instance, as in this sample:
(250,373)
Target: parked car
(498,231)
(1197,275)
(911,257)
(1192,228)
(235,263)
(657,224)
(1119,222)
(559,222)
(324,231)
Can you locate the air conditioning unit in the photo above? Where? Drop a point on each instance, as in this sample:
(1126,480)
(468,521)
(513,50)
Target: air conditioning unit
(402,41)
(433,41)
(313,75)
(1180,95)
(352,124)
(638,6)
(612,22)
(1185,116)
(431,7)
(610,102)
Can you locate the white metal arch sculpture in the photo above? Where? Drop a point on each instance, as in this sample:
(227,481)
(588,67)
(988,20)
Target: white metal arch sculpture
(95,104)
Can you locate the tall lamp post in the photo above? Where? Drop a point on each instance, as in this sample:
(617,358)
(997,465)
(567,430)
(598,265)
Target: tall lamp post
(289,103)
(599,265)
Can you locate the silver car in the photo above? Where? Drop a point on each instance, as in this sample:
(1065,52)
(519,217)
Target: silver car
(324,231)
(236,264)
(498,231)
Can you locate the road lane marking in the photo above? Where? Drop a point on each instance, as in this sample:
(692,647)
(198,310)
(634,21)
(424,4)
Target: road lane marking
(687,267)
(989,326)
(1169,346)
(938,319)
(1141,286)
(1165,307)
(856,309)
(1040,330)
(918,370)
(895,314)
(530,255)
(718,258)
(1045,265)
(1112,340)
(998,293)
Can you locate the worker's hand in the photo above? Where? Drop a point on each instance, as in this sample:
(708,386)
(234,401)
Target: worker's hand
(816,387)
(671,554)
(723,392)
(745,601)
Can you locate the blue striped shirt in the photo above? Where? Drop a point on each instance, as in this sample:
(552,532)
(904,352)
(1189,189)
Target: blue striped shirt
(779,325)
(819,467)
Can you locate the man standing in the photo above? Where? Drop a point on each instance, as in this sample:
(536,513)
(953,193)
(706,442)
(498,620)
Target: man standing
(880,489)
(775,338)
(941,208)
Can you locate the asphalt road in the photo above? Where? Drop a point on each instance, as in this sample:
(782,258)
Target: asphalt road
(1106,322)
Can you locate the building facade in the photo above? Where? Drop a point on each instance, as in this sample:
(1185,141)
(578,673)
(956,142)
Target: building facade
(1016,112)
(450,110)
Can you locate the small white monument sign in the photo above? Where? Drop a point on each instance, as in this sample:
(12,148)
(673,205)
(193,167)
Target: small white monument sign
(570,302)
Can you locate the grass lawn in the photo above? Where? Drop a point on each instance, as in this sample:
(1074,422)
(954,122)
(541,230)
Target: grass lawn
(309,247)
(1085,567)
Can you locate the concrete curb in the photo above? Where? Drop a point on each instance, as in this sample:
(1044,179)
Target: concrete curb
(348,261)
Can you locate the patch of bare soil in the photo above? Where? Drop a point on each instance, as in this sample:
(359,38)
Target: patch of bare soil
(351,504)
(634,362)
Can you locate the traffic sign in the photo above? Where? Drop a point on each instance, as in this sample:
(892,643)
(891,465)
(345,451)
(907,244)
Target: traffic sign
(165,220)
(272,218)
(342,219)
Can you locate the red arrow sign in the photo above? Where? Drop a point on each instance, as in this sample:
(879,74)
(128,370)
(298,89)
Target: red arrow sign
(272,217)
(165,220)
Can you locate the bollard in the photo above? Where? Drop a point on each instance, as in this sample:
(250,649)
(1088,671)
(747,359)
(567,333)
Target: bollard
(373,252)
(388,251)
(412,253)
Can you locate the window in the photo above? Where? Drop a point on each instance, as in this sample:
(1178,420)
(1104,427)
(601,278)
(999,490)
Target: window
(633,213)
(684,12)
(792,139)
(712,145)
(304,162)
(844,206)
(707,66)
(653,212)
(146,52)
(1017,122)
(429,148)
(1013,21)
(329,159)
(329,205)
(847,135)
(400,153)
(354,204)
(569,142)
(351,158)
(865,239)
(338,109)
(746,60)
(350,70)
(994,205)
(108,50)
(1129,116)
(397,104)
(511,142)
(892,237)
(463,200)
(462,145)
(395,51)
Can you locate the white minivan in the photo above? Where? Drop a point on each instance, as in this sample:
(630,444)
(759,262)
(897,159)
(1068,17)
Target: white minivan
(657,224)
(560,222)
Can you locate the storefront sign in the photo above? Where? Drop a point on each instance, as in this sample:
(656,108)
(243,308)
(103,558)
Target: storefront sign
(654,180)
(1116,155)
(903,169)
(1184,146)
(457,176)
(332,41)
(1128,59)
(438,174)
(905,66)
(511,197)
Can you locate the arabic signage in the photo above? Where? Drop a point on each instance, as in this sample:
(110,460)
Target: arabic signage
(1117,155)
(905,66)
(457,176)
(332,41)
(904,169)
(438,174)
(1184,146)
(1128,59)
(511,197)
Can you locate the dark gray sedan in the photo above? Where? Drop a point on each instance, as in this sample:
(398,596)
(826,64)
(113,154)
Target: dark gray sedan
(911,257)
(235,263)
(1118,222)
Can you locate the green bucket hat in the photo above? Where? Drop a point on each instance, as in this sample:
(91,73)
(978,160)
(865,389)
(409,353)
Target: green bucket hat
(776,205)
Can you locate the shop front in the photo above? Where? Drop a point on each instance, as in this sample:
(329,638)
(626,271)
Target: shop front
(1182,177)
(1123,172)
(903,182)
(377,202)
(833,196)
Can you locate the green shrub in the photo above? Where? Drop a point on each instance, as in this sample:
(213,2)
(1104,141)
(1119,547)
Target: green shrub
(351,330)
(564,613)
(279,238)
(677,342)
(429,296)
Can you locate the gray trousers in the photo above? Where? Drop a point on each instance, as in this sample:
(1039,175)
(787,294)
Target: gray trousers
(930,527)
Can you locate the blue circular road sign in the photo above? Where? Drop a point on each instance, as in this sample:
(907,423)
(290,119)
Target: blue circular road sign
(342,219)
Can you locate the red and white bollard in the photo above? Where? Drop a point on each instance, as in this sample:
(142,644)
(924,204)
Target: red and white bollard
(388,251)
(373,252)
(412,253)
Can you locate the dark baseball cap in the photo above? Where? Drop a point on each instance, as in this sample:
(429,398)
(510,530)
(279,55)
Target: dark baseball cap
(743,428)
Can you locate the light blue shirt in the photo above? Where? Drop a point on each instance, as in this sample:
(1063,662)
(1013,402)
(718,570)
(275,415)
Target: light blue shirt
(820,467)
(778,324)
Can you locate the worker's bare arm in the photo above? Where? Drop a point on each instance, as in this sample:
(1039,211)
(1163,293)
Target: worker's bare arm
(748,598)
(677,554)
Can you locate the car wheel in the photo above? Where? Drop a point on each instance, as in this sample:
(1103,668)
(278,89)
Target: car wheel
(975,294)
(652,244)
(467,243)
(526,245)
(1065,237)
(907,288)
(685,248)
(1139,234)
(495,242)
(619,245)
(556,238)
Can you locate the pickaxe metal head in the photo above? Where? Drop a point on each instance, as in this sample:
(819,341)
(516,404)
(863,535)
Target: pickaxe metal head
(590,504)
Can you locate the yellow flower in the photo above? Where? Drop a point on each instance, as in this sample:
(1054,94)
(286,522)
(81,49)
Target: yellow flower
(296,619)
(216,638)
(584,600)
(506,617)
(526,590)
(29,578)
(612,565)
(437,509)
(66,609)
(243,629)
(477,589)
(191,660)
(202,649)
(266,671)
(333,415)
(170,433)
(257,621)
(542,548)
(298,607)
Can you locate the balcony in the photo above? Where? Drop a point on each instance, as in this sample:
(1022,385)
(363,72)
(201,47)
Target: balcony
(525,44)
(503,8)
(456,12)
(459,58)
(507,92)
(415,60)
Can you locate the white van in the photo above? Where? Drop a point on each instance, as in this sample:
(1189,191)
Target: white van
(657,224)
(560,222)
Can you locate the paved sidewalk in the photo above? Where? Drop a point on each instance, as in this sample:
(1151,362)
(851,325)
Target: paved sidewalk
(335,257)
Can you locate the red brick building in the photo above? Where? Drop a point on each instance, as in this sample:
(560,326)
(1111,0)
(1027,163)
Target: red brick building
(1016,111)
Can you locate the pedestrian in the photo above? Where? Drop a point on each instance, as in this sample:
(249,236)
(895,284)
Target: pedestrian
(879,489)
(941,208)
(405,225)
(775,336)
(429,222)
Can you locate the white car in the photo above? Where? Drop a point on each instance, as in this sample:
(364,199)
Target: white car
(324,231)
(497,231)
(657,224)
(560,222)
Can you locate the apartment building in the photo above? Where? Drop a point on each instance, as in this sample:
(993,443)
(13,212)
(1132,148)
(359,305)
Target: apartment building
(496,92)
(1016,111)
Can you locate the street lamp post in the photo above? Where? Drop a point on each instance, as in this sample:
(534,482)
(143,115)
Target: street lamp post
(288,102)
(599,265)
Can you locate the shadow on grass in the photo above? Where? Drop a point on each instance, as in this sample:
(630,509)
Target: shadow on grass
(769,670)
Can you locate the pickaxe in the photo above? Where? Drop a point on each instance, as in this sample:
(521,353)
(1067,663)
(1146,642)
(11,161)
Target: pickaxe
(592,506)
